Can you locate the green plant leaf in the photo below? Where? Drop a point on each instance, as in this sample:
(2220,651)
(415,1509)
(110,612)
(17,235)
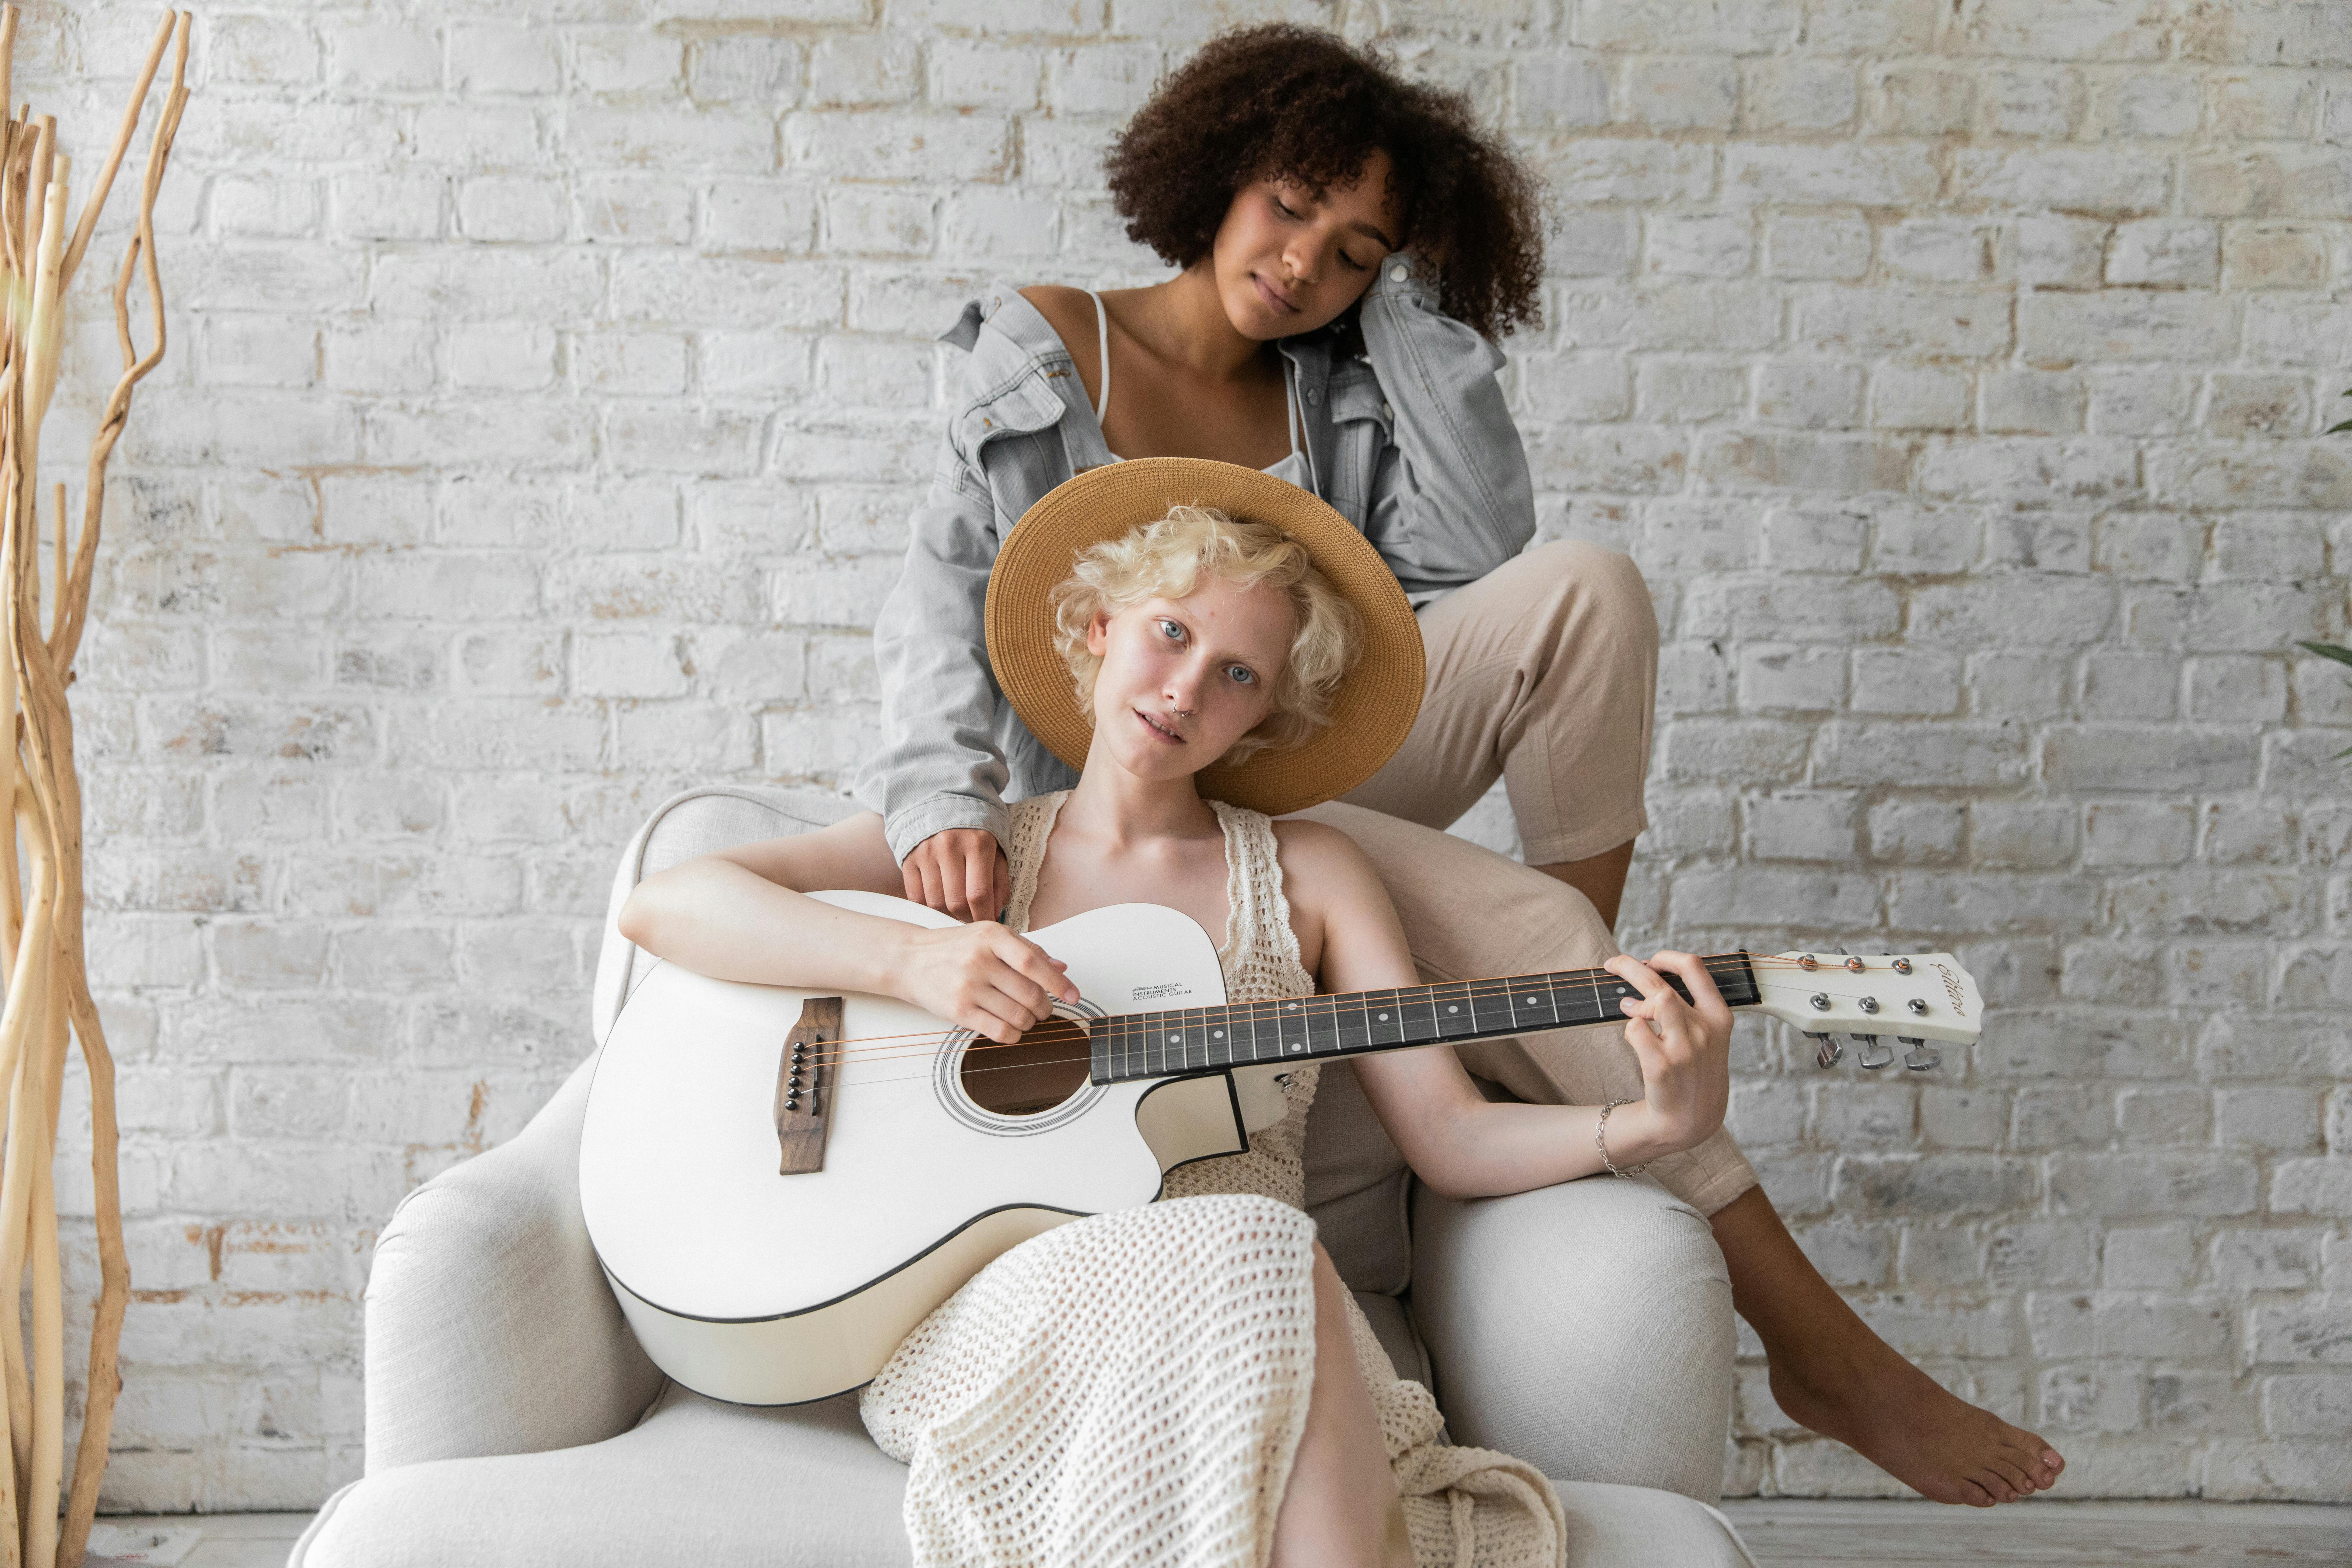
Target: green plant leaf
(2327,650)
(2338,429)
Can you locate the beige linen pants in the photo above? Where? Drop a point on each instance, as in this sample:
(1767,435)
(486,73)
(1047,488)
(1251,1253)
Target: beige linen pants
(1545,673)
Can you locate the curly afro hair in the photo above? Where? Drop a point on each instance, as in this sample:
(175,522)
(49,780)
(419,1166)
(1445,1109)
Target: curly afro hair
(1298,103)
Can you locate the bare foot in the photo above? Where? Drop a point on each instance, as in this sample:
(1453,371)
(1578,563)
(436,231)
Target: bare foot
(1934,1442)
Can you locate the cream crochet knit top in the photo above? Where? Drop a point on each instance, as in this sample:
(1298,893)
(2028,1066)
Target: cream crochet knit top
(1259,956)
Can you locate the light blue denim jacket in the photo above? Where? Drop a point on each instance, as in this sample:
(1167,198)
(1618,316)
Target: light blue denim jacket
(1416,448)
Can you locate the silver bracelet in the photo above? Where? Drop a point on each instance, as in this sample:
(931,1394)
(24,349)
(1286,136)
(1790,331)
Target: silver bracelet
(1601,1141)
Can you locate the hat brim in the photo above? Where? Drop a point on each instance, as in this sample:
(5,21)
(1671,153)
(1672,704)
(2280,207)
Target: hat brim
(1374,708)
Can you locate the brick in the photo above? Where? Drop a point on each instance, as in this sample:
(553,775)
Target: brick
(623,61)
(2321,1185)
(2068,29)
(2307,1405)
(1686,391)
(1919,397)
(2074,180)
(1717,246)
(1679,94)
(1807,827)
(2256,105)
(2120,1322)
(1918,832)
(2147,1258)
(864,71)
(1728,26)
(1810,395)
(1803,95)
(897,146)
(2030,403)
(2272,256)
(380,56)
(2291,182)
(2244,405)
(2165,252)
(1895,320)
(1612,170)
(1809,247)
(2318,1329)
(977,74)
(744,68)
(2158,105)
(2128,757)
(492,58)
(632,209)
(1856,174)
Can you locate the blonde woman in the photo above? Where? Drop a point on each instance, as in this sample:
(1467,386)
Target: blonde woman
(1191,645)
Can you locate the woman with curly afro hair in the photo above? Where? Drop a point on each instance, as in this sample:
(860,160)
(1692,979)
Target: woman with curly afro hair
(1348,248)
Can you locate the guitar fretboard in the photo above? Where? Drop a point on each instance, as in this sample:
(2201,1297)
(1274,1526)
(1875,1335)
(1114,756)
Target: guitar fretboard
(1304,1029)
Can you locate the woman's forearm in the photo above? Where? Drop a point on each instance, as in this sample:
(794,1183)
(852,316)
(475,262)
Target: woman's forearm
(723,919)
(1492,1150)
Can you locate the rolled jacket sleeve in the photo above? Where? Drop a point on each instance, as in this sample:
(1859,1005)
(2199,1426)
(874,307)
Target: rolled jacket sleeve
(1452,499)
(939,766)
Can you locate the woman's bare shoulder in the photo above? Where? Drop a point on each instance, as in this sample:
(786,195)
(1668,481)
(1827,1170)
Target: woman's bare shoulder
(1320,861)
(1071,314)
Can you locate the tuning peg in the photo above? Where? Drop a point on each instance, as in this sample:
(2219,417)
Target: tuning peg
(1920,1058)
(1874,1053)
(1826,1050)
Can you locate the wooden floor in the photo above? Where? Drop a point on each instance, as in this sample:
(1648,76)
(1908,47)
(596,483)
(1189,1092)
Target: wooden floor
(2046,1534)
(1778,1530)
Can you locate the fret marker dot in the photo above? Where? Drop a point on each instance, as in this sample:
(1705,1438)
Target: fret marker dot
(1531,1001)
(1454,1009)
(1216,1034)
(1294,1007)
(1384,1018)
(1174,1038)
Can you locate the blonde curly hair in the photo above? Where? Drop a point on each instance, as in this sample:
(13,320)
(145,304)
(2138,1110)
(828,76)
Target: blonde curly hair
(1172,558)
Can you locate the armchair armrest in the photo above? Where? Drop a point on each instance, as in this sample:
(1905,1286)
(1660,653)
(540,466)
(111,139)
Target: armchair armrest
(490,1327)
(1585,1327)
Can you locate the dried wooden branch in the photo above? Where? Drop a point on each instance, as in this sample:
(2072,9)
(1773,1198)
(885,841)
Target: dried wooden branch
(43,974)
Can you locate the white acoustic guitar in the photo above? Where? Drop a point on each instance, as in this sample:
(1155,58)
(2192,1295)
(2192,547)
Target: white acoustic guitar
(782,1185)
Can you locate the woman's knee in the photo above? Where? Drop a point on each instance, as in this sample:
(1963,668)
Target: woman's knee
(1582,579)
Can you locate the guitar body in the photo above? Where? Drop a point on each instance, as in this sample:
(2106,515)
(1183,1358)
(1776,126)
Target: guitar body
(761,1288)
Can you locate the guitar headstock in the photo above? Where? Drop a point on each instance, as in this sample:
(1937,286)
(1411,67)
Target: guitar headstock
(1915,997)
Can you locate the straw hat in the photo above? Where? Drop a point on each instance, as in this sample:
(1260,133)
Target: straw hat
(1370,714)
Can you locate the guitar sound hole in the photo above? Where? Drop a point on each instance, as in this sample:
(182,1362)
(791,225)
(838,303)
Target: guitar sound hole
(1046,1068)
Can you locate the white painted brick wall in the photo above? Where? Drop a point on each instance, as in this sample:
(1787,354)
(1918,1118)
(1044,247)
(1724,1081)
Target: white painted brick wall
(549,388)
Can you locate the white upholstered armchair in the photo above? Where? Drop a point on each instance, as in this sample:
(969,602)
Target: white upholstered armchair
(511,1419)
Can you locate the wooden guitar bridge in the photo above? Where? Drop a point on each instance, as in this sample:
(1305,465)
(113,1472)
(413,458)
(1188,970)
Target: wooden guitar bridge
(804,1086)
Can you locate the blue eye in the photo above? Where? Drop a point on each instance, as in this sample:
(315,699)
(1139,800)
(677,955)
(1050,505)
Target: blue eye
(1242,674)
(1172,631)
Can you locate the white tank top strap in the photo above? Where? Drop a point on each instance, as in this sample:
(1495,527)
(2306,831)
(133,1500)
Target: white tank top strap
(1102,357)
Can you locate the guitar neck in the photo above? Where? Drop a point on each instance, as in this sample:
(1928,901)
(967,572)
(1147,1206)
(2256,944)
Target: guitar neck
(1306,1028)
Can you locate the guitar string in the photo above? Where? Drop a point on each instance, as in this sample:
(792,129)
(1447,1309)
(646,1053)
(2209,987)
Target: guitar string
(1485,981)
(1728,959)
(1326,1008)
